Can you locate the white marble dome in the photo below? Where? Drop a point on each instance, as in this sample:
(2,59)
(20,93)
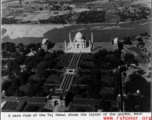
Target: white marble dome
(78,37)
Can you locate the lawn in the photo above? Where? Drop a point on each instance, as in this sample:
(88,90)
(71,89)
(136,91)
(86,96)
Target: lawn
(61,64)
(87,57)
(141,57)
(80,80)
(57,46)
(100,46)
(107,81)
(87,65)
(135,49)
(65,57)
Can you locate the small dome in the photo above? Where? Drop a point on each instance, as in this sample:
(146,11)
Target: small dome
(115,40)
(44,40)
(78,36)
(138,91)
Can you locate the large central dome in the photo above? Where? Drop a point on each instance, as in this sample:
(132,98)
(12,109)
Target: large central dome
(78,36)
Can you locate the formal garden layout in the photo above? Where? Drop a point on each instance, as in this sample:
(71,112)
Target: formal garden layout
(35,74)
(45,68)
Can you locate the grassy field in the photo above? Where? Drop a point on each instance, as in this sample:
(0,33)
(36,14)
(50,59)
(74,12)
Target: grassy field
(102,32)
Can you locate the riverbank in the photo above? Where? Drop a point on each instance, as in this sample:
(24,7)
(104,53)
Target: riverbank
(58,33)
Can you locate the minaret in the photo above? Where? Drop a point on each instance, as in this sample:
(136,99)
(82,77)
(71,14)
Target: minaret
(70,37)
(111,44)
(85,44)
(92,38)
(65,45)
(89,43)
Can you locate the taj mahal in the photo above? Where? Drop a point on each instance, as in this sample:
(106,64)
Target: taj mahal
(57,98)
(79,44)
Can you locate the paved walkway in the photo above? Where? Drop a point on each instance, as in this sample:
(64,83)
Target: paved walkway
(68,79)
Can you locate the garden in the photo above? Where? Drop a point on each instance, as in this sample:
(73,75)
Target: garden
(38,69)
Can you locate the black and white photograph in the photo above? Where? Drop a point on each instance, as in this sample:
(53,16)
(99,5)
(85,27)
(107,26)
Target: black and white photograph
(75,56)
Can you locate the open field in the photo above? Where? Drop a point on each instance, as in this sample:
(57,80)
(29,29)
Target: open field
(58,33)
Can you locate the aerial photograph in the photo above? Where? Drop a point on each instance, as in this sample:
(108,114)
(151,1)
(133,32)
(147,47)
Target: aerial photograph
(76,56)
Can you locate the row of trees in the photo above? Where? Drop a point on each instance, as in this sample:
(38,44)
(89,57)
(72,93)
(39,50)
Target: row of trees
(104,60)
(91,17)
(94,83)
(136,15)
(9,21)
(57,20)
(107,60)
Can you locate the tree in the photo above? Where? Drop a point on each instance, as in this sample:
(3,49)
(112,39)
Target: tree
(32,108)
(31,46)
(15,82)
(39,84)
(31,92)
(137,82)
(32,64)
(20,44)
(4,54)
(114,109)
(26,51)
(50,45)
(38,45)
(48,57)
(6,85)
(39,55)
(12,66)
(51,64)
(31,81)
(105,105)
(10,47)
(24,77)
(19,93)
(21,48)
(41,69)
(11,90)
(45,91)
(93,92)
(130,59)
(137,104)
(15,54)
(20,59)
(127,41)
